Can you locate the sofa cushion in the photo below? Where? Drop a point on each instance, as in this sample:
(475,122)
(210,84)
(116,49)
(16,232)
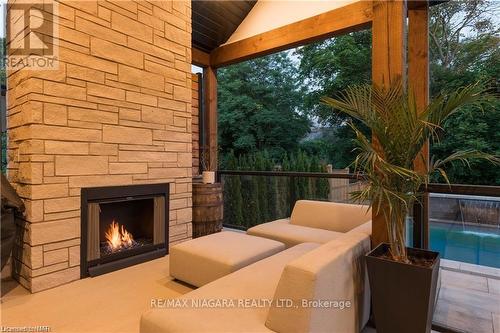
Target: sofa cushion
(205,259)
(255,282)
(365,228)
(333,272)
(289,234)
(331,216)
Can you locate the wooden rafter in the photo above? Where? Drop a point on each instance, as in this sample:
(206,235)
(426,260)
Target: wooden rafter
(339,21)
(200,58)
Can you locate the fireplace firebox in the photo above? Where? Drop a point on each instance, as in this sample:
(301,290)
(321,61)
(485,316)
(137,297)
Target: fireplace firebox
(122,226)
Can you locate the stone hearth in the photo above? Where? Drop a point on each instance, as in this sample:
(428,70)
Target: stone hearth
(117,111)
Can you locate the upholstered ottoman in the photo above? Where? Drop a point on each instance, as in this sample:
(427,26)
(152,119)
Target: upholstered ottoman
(205,259)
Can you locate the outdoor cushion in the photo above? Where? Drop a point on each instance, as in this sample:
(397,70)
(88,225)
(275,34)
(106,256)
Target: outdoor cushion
(333,272)
(255,282)
(365,228)
(290,235)
(205,259)
(333,216)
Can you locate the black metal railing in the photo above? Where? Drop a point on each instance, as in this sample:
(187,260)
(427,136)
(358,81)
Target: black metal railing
(355,176)
(262,196)
(255,197)
(421,214)
(475,190)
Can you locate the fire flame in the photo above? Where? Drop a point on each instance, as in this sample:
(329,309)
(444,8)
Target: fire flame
(117,236)
(127,238)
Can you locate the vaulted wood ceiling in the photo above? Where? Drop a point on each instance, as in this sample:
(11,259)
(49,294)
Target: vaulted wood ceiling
(215,21)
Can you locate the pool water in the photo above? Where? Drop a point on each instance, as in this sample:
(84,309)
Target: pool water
(473,244)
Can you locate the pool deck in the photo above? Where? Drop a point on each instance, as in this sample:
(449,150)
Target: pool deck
(469,299)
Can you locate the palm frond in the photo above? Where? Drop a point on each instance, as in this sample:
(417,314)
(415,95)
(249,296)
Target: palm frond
(399,131)
(464,157)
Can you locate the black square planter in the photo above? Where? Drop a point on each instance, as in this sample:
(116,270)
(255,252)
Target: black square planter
(403,295)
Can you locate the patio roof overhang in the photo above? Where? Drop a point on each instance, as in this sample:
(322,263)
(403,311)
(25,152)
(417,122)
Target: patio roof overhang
(213,22)
(218,41)
(388,19)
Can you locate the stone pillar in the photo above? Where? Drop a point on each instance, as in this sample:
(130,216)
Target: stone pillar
(117,111)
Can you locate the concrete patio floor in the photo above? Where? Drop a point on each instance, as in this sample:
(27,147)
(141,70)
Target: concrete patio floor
(469,300)
(108,303)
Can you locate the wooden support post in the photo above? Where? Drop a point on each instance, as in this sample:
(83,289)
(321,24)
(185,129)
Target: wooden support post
(418,83)
(388,41)
(418,62)
(388,65)
(210,112)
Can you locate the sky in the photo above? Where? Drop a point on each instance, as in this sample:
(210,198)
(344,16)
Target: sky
(195,69)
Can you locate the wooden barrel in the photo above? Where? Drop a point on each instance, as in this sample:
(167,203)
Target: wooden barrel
(207,209)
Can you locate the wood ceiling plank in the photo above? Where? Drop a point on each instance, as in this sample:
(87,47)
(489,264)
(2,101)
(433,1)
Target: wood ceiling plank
(222,13)
(213,22)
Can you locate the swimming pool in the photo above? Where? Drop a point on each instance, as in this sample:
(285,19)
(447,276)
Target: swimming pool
(473,244)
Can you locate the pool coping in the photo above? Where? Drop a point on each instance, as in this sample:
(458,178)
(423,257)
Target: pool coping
(463,267)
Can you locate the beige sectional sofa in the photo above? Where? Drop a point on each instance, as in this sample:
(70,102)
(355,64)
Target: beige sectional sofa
(317,222)
(322,269)
(205,259)
(334,271)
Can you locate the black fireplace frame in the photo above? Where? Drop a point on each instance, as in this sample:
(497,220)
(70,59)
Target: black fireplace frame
(133,256)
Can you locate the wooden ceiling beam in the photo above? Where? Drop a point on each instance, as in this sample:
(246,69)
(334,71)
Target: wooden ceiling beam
(200,58)
(339,21)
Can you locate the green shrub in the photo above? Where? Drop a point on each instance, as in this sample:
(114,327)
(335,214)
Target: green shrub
(252,200)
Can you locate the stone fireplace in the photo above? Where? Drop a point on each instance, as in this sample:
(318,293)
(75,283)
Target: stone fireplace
(116,112)
(122,226)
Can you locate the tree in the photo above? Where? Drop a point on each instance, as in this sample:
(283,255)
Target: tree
(457,25)
(233,205)
(252,200)
(464,48)
(264,102)
(335,146)
(329,67)
(259,103)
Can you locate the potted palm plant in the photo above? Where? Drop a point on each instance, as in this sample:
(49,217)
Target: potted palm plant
(403,280)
